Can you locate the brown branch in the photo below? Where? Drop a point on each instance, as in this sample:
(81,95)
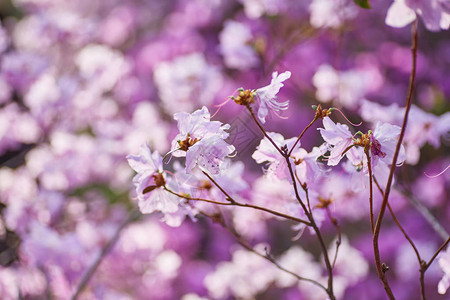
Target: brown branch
(301,134)
(221,221)
(263,130)
(381,273)
(105,251)
(310,216)
(425,212)
(424,267)
(235,203)
(339,239)
(369,165)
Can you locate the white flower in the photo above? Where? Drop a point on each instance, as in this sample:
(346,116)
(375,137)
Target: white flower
(268,96)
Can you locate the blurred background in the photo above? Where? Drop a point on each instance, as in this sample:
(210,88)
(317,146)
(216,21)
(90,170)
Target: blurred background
(84,83)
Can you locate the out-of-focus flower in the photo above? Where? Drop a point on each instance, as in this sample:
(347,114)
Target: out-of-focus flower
(235,46)
(306,166)
(331,13)
(347,88)
(444,263)
(243,277)
(187,82)
(256,8)
(434,13)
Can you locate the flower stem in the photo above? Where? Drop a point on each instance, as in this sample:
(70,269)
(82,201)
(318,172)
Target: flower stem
(376,234)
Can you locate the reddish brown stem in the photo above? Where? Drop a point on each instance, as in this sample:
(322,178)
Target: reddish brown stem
(369,165)
(235,203)
(301,135)
(380,271)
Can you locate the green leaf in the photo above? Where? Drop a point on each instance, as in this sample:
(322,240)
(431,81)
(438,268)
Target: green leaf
(363,3)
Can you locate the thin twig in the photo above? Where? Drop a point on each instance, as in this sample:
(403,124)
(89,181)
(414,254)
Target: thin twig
(437,252)
(229,198)
(397,222)
(305,209)
(105,251)
(318,234)
(424,267)
(339,239)
(369,165)
(263,131)
(266,256)
(425,212)
(301,134)
(235,203)
(380,271)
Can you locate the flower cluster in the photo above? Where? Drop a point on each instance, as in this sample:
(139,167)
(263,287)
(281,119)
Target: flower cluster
(120,177)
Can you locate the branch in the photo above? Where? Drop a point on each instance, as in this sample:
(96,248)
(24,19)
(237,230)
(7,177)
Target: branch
(369,165)
(235,203)
(284,153)
(301,134)
(221,221)
(105,251)
(263,131)
(376,234)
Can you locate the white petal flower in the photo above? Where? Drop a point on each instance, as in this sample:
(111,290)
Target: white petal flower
(268,96)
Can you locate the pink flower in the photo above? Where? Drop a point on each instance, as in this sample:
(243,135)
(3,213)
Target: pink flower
(201,141)
(435,13)
(235,46)
(266,152)
(306,165)
(149,182)
(338,137)
(444,263)
(384,141)
(268,96)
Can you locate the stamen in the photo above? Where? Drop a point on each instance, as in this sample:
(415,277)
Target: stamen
(437,175)
(170,152)
(356,125)
(168,172)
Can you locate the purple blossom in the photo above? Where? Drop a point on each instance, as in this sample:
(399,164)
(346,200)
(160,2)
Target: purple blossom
(149,170)
(201,141)
(266,152)
(435,13)
(330,13)
(235,46)
(338,138)
(187,82)
(384,141)
(444,263)
(268,96)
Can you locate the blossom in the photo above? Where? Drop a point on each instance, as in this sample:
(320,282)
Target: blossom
(384,140)
(234,45)
(330,13)
(266,152)
(444,263)
(267,96)
(435,13)
(306,166)
(149,182)
(186,82)
(339,138)
(201,141)
(347,87)
(256,8)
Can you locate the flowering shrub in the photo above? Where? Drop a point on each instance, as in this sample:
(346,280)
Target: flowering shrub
(278,149)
